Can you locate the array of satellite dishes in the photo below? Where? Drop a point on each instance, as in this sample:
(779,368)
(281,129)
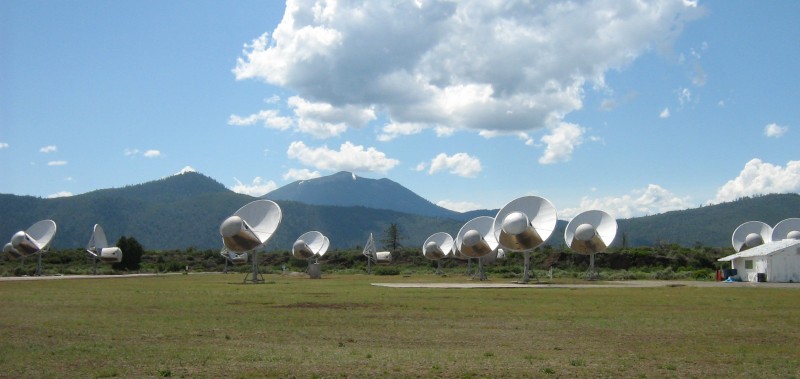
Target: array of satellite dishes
(99,250)
(522,225)
(311,246)
(756,233)
(32,241)
(249,229)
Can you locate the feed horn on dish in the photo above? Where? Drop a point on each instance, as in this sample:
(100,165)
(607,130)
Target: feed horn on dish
(34,240)
(523,225)
(476,239)
(437,247)
(589,233)
(99,250)
(249,229)
(311,245)
(751,234)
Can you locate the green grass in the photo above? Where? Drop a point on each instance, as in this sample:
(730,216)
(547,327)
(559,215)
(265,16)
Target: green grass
(341,326)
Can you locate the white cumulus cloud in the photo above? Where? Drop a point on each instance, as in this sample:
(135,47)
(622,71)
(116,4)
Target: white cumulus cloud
(664,113)
(269,118)
(653,199)
(472,64)
(349,157)
(59,194)
(152,154)
(396,129)
(301,174)
(57,163)
(48,149)
(461,164)
(458,206)
(561,143)
(775,130)
(3,145)
(258,187)
(761,178)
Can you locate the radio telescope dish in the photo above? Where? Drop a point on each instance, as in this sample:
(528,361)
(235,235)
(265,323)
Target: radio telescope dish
(476,240)
(374,256)
(249,229)
(787,229)
(437,247)
(589,233)
(309,245)
(34,240)
(98,248)
(751,234)
(524,224)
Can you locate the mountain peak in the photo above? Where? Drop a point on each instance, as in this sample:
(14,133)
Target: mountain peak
(345,188)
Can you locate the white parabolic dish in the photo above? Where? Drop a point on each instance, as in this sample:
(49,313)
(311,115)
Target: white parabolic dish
(751,234)
(476,237)
(525,223)
(34,239)
(437,246)
(590,232)
(251,226)
(787,229)
(309,245)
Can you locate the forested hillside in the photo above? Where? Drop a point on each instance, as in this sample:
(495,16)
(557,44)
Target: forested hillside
(185,211)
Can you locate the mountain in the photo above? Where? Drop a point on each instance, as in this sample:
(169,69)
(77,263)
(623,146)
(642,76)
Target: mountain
(711,225)
(185,210)
(346,189)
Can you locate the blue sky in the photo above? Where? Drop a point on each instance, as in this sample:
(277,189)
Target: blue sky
(633,108)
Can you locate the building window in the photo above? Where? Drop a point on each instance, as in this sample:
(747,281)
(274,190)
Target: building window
(748,264)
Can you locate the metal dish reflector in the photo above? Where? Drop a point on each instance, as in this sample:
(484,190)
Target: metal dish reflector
(476,238)
(590,232)
(525,223)
(751,234)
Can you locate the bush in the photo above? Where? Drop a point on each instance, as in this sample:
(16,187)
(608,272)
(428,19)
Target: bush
(387,271)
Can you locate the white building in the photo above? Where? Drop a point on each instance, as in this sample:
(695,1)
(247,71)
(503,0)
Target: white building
(778,261)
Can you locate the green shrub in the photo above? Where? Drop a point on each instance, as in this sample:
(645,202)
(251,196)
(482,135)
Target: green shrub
(387,271)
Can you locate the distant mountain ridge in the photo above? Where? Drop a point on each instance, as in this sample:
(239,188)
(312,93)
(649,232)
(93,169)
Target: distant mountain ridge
(346,189)
(185,210)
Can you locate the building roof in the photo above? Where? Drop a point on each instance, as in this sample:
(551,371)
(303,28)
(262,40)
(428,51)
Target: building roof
(763,250)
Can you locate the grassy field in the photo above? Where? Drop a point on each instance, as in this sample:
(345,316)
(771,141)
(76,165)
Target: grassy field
(340,326)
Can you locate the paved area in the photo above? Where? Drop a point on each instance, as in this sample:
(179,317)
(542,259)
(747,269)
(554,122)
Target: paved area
(597,284)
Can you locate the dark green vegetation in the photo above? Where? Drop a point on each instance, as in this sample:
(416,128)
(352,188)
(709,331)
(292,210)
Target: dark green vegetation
(185,211)
(660,262)
(340,326)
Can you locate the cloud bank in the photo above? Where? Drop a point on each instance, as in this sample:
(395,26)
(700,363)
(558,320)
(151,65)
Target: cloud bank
(502,66)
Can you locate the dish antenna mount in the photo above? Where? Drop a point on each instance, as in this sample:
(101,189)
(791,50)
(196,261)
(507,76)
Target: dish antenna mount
(524,224)
(249,229)
(589,233)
